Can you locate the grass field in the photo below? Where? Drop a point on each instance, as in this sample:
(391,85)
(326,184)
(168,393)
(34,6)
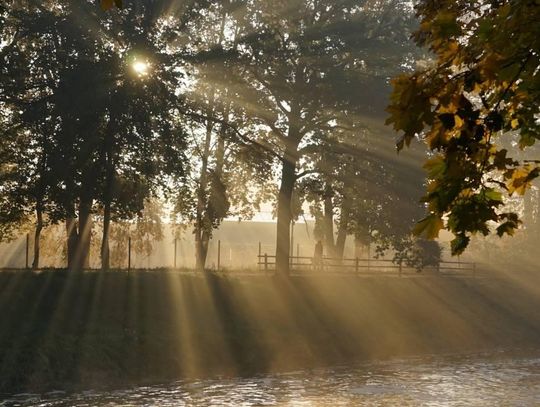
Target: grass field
(63,330)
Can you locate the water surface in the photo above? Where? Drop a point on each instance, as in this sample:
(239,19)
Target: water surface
(473,380)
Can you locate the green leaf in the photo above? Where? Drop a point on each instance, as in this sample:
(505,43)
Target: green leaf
(526,140)
(429,227)
(508,228)
(435,167)
(447,24)
(459,244)
(493,195)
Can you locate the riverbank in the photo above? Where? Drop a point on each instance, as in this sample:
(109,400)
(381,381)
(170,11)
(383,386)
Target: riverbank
(89,330)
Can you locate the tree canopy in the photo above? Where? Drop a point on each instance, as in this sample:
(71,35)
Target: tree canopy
(210,105)
(474,101)
(84,131)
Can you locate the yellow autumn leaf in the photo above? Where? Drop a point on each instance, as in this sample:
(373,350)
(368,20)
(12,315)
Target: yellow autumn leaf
(520,179)
(450,108)
(459,122)
(515,124)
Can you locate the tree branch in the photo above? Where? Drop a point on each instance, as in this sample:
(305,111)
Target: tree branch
(243,137)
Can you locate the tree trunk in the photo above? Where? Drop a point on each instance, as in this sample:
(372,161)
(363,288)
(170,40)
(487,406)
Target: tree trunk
(284,216)
(72,242)
(358,246)
(342,229)
(105,249)
(328,222)
(85,234)
(200,249)
(205,242)
(37,236)
(105,252)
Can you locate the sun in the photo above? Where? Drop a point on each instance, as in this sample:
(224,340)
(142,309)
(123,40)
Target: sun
(141,67)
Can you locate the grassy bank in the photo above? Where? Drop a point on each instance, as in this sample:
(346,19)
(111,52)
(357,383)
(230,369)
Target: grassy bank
(63,330)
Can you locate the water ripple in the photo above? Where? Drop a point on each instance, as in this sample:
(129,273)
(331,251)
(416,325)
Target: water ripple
(436,382)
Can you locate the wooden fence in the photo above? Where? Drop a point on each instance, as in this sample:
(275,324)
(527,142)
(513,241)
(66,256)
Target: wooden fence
(301,264)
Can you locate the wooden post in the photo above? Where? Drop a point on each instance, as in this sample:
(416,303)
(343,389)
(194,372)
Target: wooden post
(174,252)
(369,257)
(265,263)
(259,257)
(356,268)
(218,254)
(291,247)
(27,250)
(129,254)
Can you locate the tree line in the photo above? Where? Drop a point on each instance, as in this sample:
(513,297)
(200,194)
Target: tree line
(205,105)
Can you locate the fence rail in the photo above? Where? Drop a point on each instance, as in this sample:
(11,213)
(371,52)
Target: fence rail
(267,263)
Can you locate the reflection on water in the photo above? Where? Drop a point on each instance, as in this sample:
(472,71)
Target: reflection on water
(494,380)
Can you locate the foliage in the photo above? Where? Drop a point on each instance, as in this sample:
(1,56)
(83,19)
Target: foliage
(120,143)
(229,97)
(371,198)
(227,176)
(480,88)
(108,4)
(300,65)
(144,231)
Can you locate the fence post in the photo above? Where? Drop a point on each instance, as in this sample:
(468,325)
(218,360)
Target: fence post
(218,254)
(175,252)
(259,257)
(356,269)
(369,258)
(129,254)
(27,250)
(265,263)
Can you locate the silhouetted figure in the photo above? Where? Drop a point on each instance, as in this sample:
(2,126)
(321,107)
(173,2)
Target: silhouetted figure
(318,256)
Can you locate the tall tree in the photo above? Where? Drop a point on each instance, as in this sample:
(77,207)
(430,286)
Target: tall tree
(27,122)
(302,64)
(124,121)
(228,174)
(355,189)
